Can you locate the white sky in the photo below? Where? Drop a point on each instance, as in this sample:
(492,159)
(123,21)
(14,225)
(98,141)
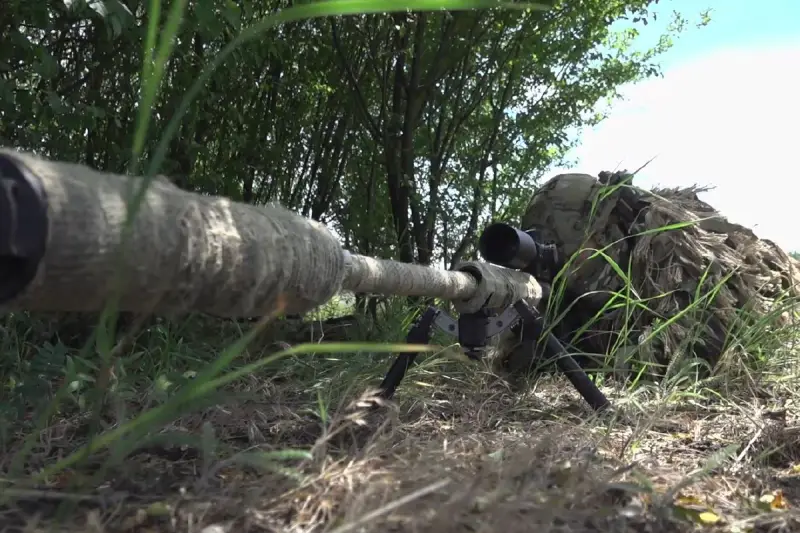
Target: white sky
(730,119)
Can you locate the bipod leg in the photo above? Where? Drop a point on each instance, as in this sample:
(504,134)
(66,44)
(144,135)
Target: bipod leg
(575,374)
(420,333)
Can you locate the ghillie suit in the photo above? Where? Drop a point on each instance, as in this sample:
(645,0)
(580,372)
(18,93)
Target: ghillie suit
(695,278)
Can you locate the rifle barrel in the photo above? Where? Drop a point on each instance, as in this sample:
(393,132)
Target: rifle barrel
(383,276)
(65,246)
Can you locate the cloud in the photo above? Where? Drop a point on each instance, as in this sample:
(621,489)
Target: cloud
(730,119)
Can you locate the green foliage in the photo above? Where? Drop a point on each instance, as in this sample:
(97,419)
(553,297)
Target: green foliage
(428,122)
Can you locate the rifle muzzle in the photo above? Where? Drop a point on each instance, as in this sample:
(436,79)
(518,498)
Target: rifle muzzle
(23,228)
(64,247)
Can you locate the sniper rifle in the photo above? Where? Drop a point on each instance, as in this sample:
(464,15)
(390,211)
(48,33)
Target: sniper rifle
(65,239)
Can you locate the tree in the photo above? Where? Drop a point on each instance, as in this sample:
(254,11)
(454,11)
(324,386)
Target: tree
(404,132)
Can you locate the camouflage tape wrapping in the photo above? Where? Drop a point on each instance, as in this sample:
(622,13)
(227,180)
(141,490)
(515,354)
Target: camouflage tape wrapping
(380,276)
(187,252)
(471,287)
(191,252)
(498,288)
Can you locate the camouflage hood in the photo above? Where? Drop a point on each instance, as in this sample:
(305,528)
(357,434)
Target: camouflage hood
(684,265)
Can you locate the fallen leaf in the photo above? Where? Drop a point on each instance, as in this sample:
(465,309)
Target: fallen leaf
(696,510)
(689,501)
(158,509)
(774,501)
(707,517)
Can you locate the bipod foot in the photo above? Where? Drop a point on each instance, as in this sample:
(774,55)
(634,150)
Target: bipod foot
(553,348)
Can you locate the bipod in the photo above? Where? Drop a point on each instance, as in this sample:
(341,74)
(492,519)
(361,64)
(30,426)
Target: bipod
(474,330)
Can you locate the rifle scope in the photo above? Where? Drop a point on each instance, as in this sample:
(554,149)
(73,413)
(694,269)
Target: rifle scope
(509,247)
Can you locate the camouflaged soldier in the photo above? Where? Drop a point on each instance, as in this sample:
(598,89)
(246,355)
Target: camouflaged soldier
(670,282)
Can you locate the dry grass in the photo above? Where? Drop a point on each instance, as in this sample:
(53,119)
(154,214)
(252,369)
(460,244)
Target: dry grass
(470,458)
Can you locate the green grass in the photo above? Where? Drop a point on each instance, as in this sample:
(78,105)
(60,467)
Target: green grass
(294,426)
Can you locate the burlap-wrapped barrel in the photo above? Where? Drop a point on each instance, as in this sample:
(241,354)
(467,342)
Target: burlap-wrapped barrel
(651,277)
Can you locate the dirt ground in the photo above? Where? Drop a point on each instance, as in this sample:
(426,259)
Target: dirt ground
(459,459)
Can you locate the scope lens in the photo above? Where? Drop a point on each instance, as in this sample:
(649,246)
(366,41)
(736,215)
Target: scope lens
(499,244)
